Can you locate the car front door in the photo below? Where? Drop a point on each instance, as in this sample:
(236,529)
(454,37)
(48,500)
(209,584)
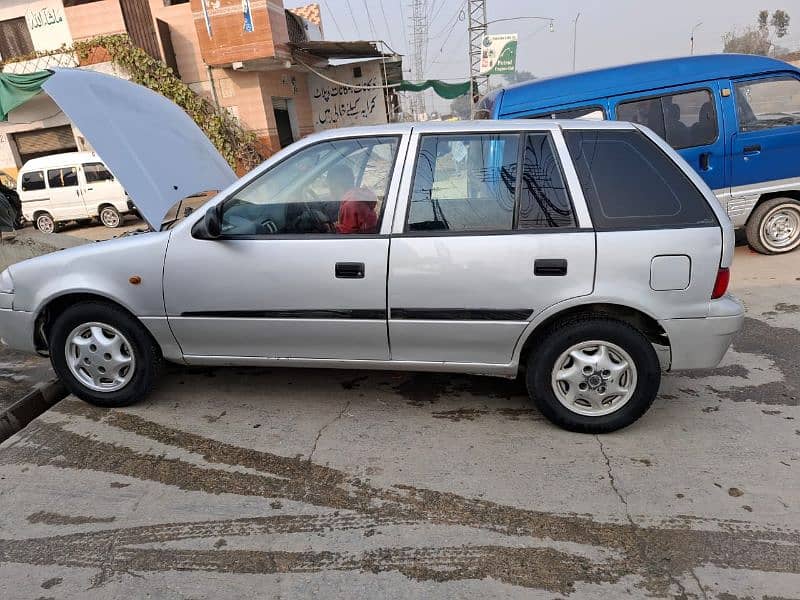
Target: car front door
(66,200)
(767,139)
(480,246)
(299,270)
(690,120)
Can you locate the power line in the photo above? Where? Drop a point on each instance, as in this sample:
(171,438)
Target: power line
(333,18)
(386,22)
(352,16)
(451,20)
(371,23)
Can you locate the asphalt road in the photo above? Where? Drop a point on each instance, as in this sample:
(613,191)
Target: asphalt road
(280,483)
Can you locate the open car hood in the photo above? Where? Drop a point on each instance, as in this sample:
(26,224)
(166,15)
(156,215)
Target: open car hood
(155,149)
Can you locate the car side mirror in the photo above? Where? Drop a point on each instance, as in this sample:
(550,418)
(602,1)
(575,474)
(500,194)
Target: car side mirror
(210,227)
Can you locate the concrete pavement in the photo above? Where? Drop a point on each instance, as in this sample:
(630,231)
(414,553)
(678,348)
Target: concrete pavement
(281,483)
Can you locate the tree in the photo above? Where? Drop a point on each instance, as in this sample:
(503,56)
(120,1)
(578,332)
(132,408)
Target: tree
(758,39)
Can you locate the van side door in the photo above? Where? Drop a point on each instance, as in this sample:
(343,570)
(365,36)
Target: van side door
(689,118)
(765,144)
(100,187)
(66,199)
(33,193)
(481,246)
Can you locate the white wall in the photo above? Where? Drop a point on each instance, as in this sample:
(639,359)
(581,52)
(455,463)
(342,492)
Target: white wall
(334,105)
(45,19)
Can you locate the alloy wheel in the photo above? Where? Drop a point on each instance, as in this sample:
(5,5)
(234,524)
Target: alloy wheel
(100,357)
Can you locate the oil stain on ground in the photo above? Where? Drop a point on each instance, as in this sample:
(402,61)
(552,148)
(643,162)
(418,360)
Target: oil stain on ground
(654,556)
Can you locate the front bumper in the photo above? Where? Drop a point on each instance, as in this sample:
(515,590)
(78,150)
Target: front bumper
(16,329)
(701,343)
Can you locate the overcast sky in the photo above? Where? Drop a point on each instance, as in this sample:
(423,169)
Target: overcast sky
(610,32)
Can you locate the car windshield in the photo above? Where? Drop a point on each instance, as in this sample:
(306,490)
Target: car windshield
(182,209)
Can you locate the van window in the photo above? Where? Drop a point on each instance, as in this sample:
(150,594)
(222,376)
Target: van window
(543,200)
(685,120)
(63,177)
(95,172)
(766,103)
(32,181)
(629,183)
(464,183)
(592,113)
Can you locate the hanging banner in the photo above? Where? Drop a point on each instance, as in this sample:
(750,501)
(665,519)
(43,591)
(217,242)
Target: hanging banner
(498,54)
(248,16)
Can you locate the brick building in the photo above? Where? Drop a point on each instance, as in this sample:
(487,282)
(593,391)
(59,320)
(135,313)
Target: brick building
(254,57)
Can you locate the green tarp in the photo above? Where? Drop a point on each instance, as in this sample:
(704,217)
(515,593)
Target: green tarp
(18,89)
(445,90)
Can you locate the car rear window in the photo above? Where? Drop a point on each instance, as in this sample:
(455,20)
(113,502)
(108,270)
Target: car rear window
(32,181)
(629,183)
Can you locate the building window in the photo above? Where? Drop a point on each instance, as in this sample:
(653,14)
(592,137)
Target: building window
(15,39)
(174,2)
(68,3)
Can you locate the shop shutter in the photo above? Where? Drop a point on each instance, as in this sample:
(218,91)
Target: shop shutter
(41,142)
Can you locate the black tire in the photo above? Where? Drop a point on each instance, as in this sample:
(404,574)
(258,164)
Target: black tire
(563,336)
(757,237)
(146,352)
(109,216)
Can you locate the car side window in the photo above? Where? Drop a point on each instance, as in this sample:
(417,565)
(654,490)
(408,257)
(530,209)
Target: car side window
(543,200)
(32,181)
(629,183)
(96,172)
(684,120)
(336,186)
(64,177)
(767,103)
(464,183)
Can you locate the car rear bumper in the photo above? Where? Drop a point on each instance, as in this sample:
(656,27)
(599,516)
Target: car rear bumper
(16,329)
(701,343)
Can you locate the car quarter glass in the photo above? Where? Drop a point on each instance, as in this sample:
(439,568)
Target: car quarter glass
(336,186)
(653,192)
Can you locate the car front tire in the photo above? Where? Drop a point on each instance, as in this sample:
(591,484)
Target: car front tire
(45,223)
(593,375)
(103,354)
(110,217)
(774,226)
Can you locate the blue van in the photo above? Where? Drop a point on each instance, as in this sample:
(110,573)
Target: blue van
(735,118)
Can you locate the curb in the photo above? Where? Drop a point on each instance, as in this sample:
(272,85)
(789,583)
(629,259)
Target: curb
(40,399)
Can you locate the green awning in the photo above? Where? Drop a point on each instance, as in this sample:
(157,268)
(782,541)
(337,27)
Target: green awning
(18,89)
(445,90)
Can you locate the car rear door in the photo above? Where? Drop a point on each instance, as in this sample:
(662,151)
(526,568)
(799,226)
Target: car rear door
(690,119)
(479,245)
(66,199)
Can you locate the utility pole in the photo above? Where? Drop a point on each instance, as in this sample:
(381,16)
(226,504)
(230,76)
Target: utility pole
(575,39)
(479,84)
(691,38)
(419,45)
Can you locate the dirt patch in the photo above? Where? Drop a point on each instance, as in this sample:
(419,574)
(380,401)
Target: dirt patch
(50,518)
(653,556)
(461,414)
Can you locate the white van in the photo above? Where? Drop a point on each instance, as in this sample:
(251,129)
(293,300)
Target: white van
(70,187)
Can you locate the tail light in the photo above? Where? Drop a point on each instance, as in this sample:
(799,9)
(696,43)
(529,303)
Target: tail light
(721,283)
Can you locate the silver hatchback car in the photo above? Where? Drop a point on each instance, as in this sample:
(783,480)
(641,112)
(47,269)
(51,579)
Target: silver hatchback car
(587,256)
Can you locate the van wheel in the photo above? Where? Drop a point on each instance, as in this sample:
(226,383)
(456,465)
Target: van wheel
(774,226)
(110,217)
(45,223)
(103,354)
(593,375)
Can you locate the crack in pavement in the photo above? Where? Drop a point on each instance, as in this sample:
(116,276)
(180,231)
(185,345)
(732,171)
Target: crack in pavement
(324,427)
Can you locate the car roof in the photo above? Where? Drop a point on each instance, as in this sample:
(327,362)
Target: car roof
(636,77)
(65,158)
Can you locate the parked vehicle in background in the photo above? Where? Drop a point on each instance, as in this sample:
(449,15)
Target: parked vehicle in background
(734,118)
(584,255)
(9,194)
(72,186)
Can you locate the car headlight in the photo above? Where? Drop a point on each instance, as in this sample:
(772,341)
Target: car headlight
(6,282)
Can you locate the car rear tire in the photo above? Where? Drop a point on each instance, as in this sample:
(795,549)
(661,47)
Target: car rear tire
(103,354)
(593,375)
(45,223)
(110,217)
(774,226)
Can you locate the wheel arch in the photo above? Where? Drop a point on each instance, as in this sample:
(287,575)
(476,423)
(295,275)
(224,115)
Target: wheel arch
(637,318)
(56,305)
(794,194)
